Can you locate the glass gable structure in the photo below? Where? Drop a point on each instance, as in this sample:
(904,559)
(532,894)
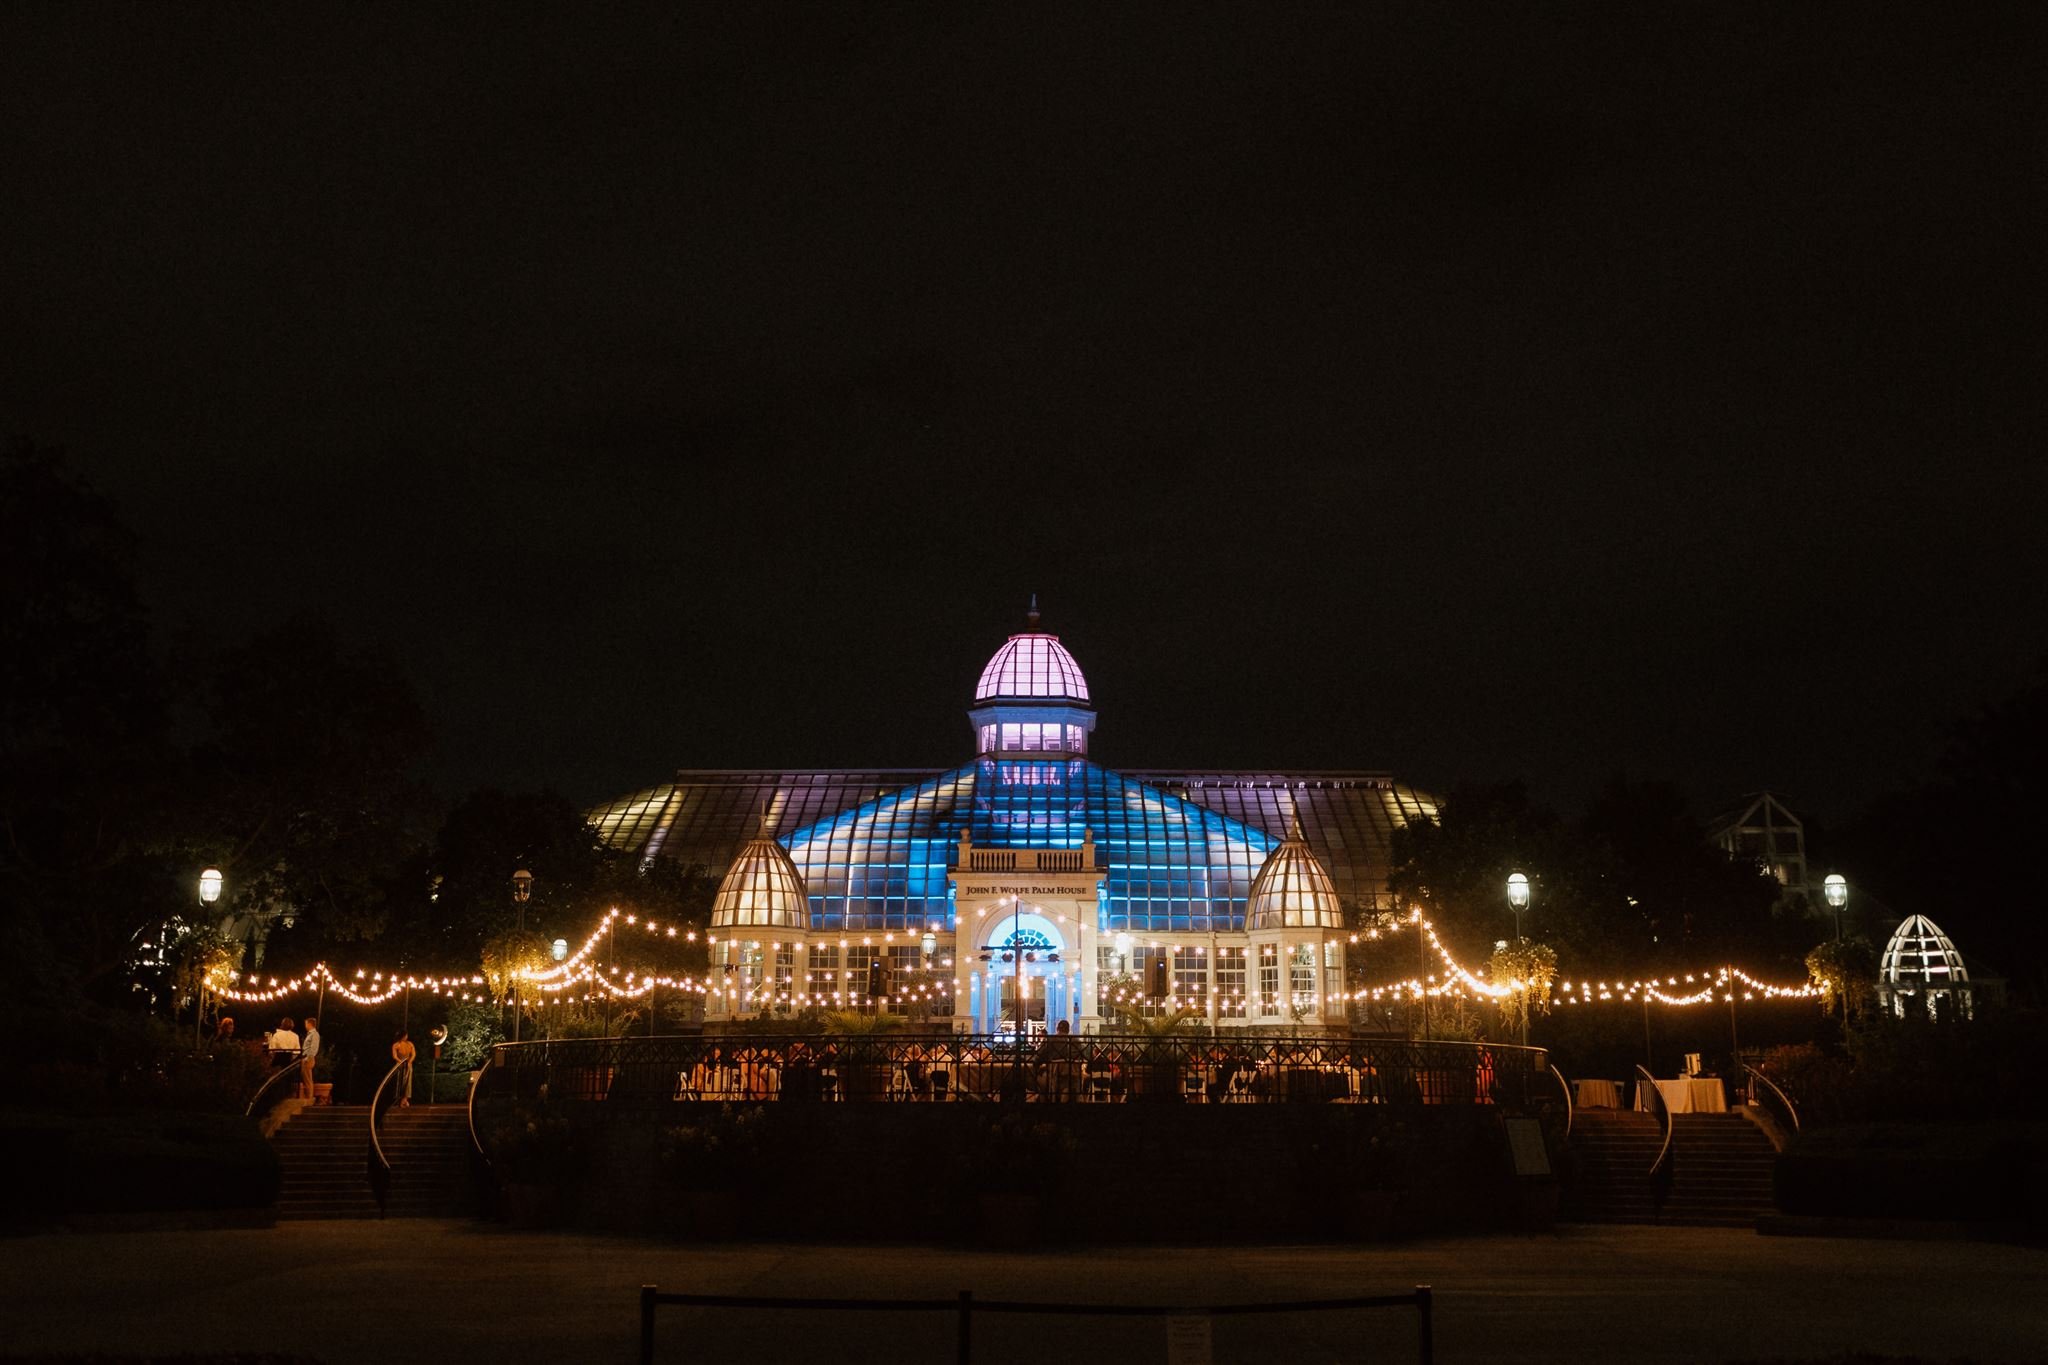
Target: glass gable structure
(1123,863)
(706,817)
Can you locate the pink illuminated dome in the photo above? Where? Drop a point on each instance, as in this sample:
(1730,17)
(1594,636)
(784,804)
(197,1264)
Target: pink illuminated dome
(1034,665)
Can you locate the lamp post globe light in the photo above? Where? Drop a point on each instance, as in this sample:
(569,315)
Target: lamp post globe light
(210,883)
(522,888)
(1836,887)
(1518,899)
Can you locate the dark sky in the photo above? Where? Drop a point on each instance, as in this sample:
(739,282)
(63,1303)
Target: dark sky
(1550,390)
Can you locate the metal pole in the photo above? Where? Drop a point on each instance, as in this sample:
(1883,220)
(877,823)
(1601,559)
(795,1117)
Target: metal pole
(1422,976)
(1649,1059)
(1734,1043)
(966,1348)
(608,966)
(647,1324)
(1422,1302)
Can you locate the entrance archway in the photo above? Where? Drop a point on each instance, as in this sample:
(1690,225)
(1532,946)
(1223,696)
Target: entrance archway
(1026,977)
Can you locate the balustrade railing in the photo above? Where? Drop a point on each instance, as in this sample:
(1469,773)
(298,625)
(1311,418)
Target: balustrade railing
(1091,1068)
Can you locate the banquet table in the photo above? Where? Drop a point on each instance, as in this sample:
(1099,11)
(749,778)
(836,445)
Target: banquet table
(1684,1096)
(1594,1094)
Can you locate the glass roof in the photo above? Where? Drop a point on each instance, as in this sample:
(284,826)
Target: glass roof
(705,817)
(1032,665)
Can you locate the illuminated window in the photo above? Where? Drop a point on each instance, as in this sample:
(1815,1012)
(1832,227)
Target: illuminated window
(1230,1003)
(1191,978)
(825,986)
(1269,979)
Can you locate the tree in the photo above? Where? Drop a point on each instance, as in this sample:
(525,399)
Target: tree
(1687,901)
(311,769)
(85,755)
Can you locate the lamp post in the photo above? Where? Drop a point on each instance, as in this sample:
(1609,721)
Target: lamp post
(438,1035)
(210,882)
(1836,888)
(1518,899)
(522,888)
(930,946)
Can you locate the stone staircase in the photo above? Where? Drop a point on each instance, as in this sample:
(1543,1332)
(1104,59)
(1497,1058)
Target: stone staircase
(1720,1172)
(324,1151)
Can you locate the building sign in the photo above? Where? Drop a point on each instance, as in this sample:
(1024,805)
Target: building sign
(1080,886)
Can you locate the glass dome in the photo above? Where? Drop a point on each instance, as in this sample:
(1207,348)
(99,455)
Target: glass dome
(1292,891)
(761,889)
(1032,665)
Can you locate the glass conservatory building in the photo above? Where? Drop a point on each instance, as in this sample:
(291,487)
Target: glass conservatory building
(1030,884)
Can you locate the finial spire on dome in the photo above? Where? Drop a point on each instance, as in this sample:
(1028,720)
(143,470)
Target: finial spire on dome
(1031,617)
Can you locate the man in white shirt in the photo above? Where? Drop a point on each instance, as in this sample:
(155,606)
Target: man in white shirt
(309,1049)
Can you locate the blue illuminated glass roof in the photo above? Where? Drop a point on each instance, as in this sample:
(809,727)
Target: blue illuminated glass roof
(1171,864)
(704,817)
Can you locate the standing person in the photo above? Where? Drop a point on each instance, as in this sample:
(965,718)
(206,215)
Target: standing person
(1060,1057)
(284,1045)
(308,1051)
(402,1052)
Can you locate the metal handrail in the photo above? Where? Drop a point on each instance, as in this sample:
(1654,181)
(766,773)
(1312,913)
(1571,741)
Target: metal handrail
(377,1146)
(764,1066)
(1791,1110)
(1564,1085)
(475,1086)
(965,1305)
(275,1076)
(1644,1078)
(378,1166)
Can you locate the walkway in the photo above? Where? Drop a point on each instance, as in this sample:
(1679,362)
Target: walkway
(431,1291)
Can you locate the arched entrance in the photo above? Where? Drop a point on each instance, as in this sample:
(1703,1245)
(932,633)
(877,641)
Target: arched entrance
(1025,976)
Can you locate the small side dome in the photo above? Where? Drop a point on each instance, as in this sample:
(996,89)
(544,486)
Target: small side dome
(1292,891)
(761,889)
(1920,955)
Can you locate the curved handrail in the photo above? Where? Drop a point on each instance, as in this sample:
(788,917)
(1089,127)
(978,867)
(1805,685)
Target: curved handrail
(1791,1110)
(376,1145)
(379,1165)
(1564,1085)
(263,1089)
(1644,1078)
(475,1086)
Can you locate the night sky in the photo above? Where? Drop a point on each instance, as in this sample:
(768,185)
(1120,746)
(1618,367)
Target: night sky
(1546,391)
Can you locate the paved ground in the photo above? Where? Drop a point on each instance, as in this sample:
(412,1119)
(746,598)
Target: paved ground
(453,1291)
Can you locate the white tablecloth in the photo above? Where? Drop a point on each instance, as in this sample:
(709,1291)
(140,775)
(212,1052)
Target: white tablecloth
(1687,1097)
(1597,1095)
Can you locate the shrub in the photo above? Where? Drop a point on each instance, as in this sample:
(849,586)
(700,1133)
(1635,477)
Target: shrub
(537,1144)
(718,1150)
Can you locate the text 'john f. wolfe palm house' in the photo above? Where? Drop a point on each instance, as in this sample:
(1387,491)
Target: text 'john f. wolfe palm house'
(1031,884)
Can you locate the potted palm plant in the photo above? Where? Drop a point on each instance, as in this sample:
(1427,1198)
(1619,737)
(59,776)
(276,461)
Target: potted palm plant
(1161,1061)
(865,1069)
